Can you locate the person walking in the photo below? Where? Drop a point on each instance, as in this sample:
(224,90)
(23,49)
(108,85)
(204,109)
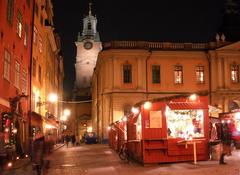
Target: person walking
(67,139)
(38,154)
(73,139)
(226,139)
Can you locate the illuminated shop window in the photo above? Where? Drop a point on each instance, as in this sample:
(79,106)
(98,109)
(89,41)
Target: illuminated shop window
(200,74)
(185,123)
(234,73)
(127,73)
(178,74)
(155,74)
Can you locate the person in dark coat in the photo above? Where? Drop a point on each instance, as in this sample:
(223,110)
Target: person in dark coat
(73,139)
(226,139)
(38,153)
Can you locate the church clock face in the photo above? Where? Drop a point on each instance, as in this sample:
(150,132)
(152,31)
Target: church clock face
(88,45)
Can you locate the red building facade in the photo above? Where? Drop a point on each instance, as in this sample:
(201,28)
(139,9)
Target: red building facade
(15,55)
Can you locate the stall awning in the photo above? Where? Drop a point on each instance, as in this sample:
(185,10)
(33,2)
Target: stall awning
(186,105)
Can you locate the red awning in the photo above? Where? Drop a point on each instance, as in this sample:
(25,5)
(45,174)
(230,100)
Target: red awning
(187,105)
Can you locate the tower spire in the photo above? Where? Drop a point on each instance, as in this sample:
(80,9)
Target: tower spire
(90,9)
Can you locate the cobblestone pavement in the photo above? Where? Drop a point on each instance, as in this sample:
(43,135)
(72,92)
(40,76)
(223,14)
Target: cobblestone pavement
(100,160)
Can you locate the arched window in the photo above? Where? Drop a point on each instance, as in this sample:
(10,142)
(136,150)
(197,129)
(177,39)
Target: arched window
(126,109)
(89,25)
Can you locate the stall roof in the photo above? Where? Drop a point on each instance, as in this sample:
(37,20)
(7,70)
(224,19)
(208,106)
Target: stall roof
(187,105)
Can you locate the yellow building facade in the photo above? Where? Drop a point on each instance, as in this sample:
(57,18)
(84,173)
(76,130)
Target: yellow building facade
(128,72)
(47,71)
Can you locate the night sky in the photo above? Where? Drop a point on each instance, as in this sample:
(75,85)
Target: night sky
(151,20)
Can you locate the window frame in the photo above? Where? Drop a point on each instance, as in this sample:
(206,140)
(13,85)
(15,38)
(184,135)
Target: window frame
(17,74)
(10,11)
(127,73)
(7,65)
(234,73)
(200,74)
(19,24)
(178,74)
(156,74)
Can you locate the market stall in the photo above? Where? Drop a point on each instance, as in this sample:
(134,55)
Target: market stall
(170,129)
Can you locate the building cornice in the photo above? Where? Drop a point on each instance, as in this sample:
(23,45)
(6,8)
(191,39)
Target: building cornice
(162,45)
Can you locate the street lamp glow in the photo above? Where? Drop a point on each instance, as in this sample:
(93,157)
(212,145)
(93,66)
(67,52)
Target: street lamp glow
(147,105)
(63,118)
(66,112)
(52,98)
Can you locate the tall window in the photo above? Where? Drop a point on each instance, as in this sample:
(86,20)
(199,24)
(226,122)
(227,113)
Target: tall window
(200,74)
(19,24)
(35,35)
(34,67)
(17,74)
(234,73)
(10,5)
(25,35)
(7,65)
(89,26)
(127,73)
(178,74)
(40,45)
(24,81)
(28,2)
(126,109)
(39,73)
(155,74)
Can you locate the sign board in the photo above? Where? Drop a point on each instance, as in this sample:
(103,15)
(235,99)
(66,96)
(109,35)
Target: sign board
(155,119)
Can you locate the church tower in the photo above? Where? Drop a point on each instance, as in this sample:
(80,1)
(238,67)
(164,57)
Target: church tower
(88,46)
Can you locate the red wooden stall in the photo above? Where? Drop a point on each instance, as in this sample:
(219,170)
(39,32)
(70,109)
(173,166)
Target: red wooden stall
(171,129)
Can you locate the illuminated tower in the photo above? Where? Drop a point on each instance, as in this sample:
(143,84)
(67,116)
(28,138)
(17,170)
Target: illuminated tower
(88,46)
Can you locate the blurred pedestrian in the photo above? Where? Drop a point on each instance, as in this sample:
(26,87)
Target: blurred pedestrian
(3,152)
(67,139)
(73,139)
(226,139)
(38,153)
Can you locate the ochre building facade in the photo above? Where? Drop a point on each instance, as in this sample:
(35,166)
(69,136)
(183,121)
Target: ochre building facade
(128,72)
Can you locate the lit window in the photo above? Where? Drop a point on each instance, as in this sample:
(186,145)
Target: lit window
(26,35)
(200,74)
(35,35)
(178,74)
(127,73)
(155,74)
(234,73)
(10,5)
(19,24)
(7,65)
(24,81)
(17,74)
(40,44)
